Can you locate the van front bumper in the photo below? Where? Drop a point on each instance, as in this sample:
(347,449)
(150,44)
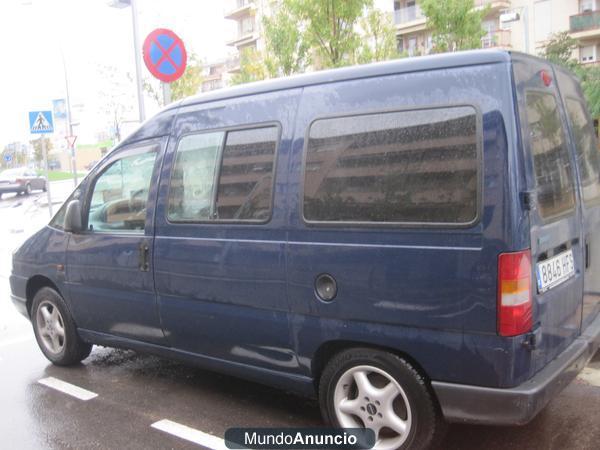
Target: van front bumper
(518,405)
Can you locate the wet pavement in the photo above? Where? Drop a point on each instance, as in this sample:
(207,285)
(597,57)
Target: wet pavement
(135,391)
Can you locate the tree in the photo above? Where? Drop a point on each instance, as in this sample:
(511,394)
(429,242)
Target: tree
(330,28)
(379,42)
(285,42)
(253,67)
(559,49)
(37,148)
(455,24)
(190,83)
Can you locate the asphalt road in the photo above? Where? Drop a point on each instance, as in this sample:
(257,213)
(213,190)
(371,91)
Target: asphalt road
(135,401)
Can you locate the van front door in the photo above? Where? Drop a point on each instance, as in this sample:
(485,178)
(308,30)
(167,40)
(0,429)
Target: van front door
(555,217)
(108,264)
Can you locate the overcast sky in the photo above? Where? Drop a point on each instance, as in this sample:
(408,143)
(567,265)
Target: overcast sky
(91,35)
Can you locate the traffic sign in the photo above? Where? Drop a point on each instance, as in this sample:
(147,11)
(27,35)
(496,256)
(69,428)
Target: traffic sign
(71,140)
(40,122)
(8,157)
(165,55)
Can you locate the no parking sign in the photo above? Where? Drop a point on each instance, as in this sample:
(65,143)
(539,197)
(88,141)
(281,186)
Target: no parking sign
(165,55)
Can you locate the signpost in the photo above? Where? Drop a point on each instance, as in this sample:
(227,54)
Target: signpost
(165,57)
(41,122)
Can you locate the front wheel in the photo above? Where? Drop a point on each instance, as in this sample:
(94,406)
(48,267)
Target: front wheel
(55,331)
(366,388)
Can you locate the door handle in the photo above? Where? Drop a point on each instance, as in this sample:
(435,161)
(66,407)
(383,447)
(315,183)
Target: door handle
(144,263)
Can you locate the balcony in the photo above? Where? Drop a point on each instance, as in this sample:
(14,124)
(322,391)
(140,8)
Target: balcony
(240,8)
(409,19)
(243,39)
(497,39)
(586,25)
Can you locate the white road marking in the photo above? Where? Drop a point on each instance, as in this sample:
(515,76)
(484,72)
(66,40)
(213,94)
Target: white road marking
(190,434)
(16,341)
(590,376)
(68,388)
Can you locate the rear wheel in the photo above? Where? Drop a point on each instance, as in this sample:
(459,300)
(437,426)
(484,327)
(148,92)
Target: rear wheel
(45,186)
(55,331)
(366,388)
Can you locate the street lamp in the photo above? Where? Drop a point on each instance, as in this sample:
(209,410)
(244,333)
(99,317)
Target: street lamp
(136,48)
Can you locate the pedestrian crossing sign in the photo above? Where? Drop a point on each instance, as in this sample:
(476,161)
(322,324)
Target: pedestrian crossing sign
(40,122)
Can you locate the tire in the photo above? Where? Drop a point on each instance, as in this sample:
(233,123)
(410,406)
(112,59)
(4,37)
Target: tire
(45,187)
(28,189)
(392,394)
(55,330)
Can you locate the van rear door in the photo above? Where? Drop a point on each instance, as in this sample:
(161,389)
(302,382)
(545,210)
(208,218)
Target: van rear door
(585,146)
(555,214)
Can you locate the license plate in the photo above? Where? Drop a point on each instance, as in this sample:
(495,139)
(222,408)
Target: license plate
(554,271)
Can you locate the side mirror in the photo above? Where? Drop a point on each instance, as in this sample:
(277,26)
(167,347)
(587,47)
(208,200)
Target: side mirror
(73,217)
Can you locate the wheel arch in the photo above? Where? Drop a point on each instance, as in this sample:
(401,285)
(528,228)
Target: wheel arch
(329,349)
(34,284)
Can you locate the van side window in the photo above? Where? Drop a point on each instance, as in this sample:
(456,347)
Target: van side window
(417,166)
(119,196)
(553,172)
(588,156)
(224,176)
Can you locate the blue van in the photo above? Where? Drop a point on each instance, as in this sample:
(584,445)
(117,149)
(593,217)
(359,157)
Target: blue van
(411,241)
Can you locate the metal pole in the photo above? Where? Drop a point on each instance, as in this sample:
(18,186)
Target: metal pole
(166,88)
(138,61)
(45,154)
(70,122)
(526,27)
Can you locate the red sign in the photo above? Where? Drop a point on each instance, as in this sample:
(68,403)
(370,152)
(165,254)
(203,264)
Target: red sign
(71,140)
(165,55)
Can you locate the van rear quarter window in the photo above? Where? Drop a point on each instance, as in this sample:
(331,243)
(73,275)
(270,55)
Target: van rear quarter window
(553,171)
(587,151)
(418,166)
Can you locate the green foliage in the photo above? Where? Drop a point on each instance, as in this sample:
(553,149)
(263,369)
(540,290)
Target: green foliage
(190,82)
(559,50)
(330,28)
(455,24)
(37,148)
(285,42)
(379,43)
(254,66)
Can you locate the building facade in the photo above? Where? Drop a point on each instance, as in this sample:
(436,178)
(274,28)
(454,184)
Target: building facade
(526,25)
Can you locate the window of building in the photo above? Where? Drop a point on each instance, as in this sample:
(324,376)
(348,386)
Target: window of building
(416,166)
(587,6)
(246,25)
(224,176)
(587,53)
(553,172)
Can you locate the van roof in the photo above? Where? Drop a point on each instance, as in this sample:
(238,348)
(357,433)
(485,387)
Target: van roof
(403,65)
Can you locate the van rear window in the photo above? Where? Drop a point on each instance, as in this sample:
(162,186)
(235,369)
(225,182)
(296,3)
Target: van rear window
(552,164)
(417,166)
(587,150)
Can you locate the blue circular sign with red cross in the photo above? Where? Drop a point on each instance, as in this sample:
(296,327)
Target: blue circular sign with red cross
(165,55)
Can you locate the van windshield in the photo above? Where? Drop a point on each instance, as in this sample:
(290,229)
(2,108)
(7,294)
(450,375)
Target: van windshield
(553,172)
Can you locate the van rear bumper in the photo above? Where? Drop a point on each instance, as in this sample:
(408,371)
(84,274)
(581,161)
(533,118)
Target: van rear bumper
(518,405)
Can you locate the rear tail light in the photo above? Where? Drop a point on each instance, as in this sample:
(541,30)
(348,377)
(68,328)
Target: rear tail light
(515,313)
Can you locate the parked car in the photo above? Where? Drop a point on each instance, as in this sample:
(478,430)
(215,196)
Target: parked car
(409,241)
(21,181)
